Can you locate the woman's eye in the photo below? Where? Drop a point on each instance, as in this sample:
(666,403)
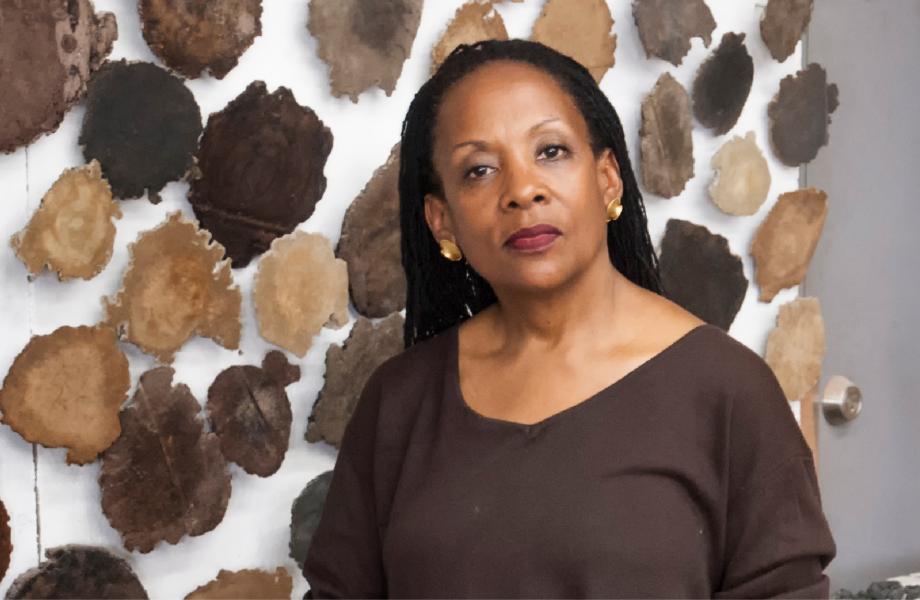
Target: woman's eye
(477,172)
(554,151)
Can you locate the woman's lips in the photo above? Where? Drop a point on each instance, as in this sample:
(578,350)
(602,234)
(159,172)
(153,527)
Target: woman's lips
(533,243)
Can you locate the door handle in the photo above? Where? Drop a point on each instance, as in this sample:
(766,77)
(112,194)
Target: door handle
(842,401)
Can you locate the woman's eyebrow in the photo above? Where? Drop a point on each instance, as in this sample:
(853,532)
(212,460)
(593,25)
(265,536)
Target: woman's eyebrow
(481,144)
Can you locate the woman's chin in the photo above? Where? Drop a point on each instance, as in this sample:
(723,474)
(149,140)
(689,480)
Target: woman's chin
(537,279)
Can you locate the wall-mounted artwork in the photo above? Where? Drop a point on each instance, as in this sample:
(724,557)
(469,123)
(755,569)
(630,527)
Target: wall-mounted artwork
(347,369)
(251,414)
(742,176)
(251,584)
(194,36)
(782,25)
(247,198)
(176,286)
(786,240)
(796,346)
(665,138)
(474,21)
(77,571)
(722,84)
(365,43)
(700,272)
(142,124)
(165,477)
(370,244)
(582,29)
(800,115)
(262,231)
(666,26)
(64,390)
(305,515)
(72,232)
(299,288)
(51,49)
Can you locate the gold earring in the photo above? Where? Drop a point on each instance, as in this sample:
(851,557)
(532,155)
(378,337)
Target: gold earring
(614,209)
(450,250)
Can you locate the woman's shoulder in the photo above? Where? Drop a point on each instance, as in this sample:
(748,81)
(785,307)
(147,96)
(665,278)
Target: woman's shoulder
(724,370)
(761,417)
(739,372)
(706,354)
(729,359)
(745,401)
(736,367)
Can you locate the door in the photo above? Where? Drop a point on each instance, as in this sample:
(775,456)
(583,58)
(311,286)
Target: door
(866,273)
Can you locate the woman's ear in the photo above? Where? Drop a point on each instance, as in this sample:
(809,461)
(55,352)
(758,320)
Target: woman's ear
(438,217)
(608,176)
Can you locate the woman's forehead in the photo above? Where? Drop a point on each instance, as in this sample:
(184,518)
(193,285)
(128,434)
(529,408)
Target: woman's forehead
(501,93)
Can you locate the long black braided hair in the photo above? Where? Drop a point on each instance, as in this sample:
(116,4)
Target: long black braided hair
(441,293)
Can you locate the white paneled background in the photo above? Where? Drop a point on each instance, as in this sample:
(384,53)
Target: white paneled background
(52,504)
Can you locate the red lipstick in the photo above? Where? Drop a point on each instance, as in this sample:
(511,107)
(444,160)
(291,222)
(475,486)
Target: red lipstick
(533,238)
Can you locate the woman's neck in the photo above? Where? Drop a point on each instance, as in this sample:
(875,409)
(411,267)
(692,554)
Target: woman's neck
(590,304)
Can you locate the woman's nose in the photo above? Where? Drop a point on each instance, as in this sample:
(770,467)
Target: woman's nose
(522,186)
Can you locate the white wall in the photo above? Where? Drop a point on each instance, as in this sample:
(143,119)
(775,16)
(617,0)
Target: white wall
(254,532)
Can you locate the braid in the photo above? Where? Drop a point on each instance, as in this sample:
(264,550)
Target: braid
(442,293)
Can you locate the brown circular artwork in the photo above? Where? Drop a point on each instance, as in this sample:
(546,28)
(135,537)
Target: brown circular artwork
(65,389)
(142,124)
(53,48)
(177,285)
(192,36)
(165,476)
(76,571)
(260,169)
(251,414)
(72,232)
(370,244)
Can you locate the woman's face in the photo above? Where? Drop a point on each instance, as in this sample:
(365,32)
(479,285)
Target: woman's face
(512,151)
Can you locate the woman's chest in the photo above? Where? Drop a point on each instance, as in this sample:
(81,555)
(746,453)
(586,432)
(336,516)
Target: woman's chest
(526,516)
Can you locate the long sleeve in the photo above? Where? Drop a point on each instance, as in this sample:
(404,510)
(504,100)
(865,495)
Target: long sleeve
(777,540)
(344,558)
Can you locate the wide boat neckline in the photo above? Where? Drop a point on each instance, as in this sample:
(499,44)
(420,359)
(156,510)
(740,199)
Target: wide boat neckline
(457,394)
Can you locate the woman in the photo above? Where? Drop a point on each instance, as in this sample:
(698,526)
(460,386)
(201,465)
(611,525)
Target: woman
(555,427)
